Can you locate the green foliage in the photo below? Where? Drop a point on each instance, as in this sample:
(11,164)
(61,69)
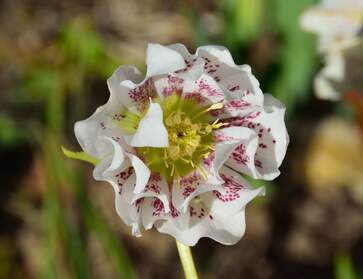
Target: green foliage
(297,55)
(81,45)
(242,19)
(49,80)
(10,134)
(344,268)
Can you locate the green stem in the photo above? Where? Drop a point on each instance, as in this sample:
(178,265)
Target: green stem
(187,261)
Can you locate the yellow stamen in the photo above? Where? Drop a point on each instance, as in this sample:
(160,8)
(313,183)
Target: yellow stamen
(212,107)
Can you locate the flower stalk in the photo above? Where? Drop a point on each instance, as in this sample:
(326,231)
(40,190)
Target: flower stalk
(187,261)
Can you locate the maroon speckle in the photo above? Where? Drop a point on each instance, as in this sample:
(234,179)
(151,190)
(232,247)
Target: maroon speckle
(158,207)
(239,155)
(142,94)
(173,211)
(138,204)
(234,88)
(232,189)
(122,177)
(153,184)
(258,163)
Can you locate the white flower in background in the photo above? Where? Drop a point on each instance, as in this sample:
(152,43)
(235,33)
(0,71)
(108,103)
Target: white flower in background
(339,25)
(337,22)
(174,144)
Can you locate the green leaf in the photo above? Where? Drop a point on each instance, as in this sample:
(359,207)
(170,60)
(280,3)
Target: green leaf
(83,156)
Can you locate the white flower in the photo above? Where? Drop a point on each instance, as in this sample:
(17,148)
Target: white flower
(339,25)
(173,144)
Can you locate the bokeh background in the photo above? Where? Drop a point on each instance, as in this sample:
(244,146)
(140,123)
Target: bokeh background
(57,222)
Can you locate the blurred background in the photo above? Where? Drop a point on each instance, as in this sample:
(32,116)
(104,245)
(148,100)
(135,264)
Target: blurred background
(57,222)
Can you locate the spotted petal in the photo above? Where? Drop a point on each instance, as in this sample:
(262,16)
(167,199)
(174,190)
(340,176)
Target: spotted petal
(188,187)
(123,182)
(237,194)
(204,90)
(268,123)
(226,230)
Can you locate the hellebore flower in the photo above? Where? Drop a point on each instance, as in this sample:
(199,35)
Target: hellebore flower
(174,144)
(339,25)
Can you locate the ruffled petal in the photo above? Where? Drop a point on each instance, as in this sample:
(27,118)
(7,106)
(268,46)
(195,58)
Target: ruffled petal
(218,63)
(170,84)
(190,186)
(142,173)
(273,139)
(153,209)
(162,60)
(139,95)
(219,52)
(183,51)
(156,187)
(200,223)
(123,183)
(239,145)
(268,123)
(237,194)
(238,80)
(215,214)
(204,90)
(155,200)
(119,90)
(90,132)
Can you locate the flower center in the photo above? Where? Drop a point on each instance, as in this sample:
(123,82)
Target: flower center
(190,133)
(184,136)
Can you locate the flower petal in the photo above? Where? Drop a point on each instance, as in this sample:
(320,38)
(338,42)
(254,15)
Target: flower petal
(156,187)
(268,123)
(90,132)
(182,50)
(273,139)
(190,186)
(142,173)
(170,84)
(151,130)
(332,72)
(123,184)
(118,88)
(226,230)
(153,209)
(219,52)
(337,23)
(237,146)
(238,80)
(118,156)
(204,90)
(162,60)
(238,193)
